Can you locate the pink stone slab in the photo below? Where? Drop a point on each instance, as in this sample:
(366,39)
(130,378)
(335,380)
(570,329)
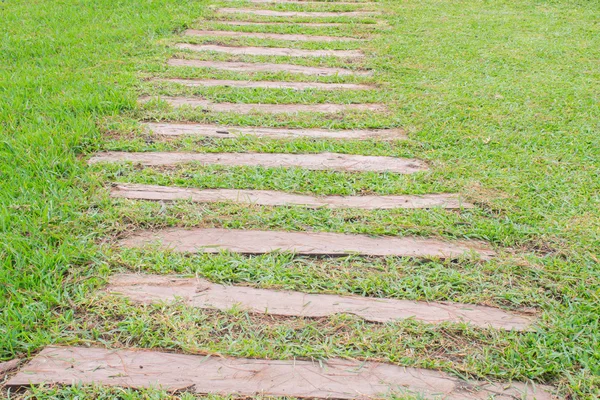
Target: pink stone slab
(173,129)
(269,84)
(314,24)
(312,3)
(201,293)
(275,36)
(242,108)
(320,161)
(272,198)
(270,13)
(262,67)
(270,51)
(212,240)
(331,379)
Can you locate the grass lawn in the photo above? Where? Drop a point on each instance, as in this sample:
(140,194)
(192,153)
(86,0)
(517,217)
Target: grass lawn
(501,98)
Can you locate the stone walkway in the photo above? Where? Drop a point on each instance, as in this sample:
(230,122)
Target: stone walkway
(334,378)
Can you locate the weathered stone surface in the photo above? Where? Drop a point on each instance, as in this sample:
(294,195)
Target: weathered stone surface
(336,378)
(174,129)
(300,24)
(8,366)
(266,67)
(304,243)
(271,13)
(275,36)
(241,108)
(270,51)
(205,294)
(269,84)
(272,198)
(312,3)
(319,161)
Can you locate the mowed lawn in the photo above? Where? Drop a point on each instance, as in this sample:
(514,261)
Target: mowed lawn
(501,98)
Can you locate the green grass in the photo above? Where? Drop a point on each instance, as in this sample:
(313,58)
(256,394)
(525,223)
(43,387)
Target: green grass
(500,98)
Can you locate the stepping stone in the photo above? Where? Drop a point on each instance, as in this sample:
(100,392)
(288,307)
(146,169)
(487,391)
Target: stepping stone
(312,3)
(200,293)
(320,161)
(270,51)
(259,67)
(276,36)
(271,13)
(269,84)
(168,129)
(214,240)
(241,377)
(273,198)
(240,108)
(299,24)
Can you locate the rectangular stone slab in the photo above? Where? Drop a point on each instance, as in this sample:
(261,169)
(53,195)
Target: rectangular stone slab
(201,293)
(174,129)
(273,198)
(312,3)
(275,36)
(213,240)
(320,161)
(270,51)
(269,84)
(266,67)
(240,108)
(335,378)
(270,13)
(317,24)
